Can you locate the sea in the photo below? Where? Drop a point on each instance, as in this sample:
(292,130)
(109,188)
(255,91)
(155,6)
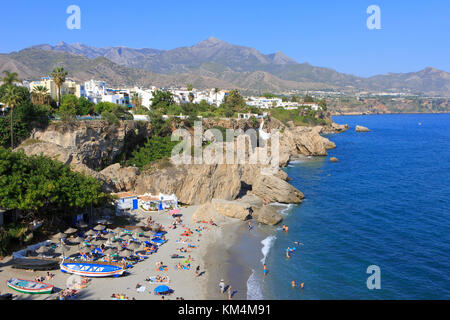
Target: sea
(384,206)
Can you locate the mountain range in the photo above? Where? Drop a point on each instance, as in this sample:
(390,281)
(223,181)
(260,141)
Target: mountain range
(210,63)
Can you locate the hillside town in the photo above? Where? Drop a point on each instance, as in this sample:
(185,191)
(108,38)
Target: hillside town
(99,91)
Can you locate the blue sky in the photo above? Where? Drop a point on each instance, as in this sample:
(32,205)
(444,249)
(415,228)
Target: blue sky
(414,34)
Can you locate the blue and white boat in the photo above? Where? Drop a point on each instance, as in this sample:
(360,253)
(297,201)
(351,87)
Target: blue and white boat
(92,268)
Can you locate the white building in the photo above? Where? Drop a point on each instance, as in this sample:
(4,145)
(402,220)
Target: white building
(146,96)
(125,203)
(95,90)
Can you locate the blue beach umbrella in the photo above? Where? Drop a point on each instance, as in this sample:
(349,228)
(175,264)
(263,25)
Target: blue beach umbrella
(160,206)
(162,290)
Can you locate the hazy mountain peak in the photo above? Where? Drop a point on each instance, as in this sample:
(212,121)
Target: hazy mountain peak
(280,58)
(211,41)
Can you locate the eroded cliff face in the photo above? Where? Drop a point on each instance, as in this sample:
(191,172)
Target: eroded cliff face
(90,146)
(85,145)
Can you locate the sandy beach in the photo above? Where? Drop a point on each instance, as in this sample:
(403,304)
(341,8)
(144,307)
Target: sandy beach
(211,254)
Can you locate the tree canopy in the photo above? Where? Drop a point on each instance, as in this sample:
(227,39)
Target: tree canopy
(41,186)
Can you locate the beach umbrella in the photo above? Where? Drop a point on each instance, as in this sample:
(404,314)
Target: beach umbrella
(174,211)
(124,254)
(42,249)
(73,280)
(162,289)
(109,251)
(70,231)
(133,245)
(99,227)
(101,221)
(118,230)
(109,236)
(59,235)
(138,230)
(77,240)
(91,233)
(61,249)
(127,236)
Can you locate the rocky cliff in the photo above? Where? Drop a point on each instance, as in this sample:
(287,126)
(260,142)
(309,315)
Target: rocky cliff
(92,146)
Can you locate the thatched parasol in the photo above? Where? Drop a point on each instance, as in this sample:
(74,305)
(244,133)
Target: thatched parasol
(70,231)
(126,236)
(62,249)
(138,230)
(91,233)
(110,236)
(118,230)
(133,245)
(124,253)
(59,235)
(42,249)
(110,251)
(99,227)
(77,240)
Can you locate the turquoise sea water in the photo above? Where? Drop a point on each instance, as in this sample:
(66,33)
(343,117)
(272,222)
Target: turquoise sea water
(385,203)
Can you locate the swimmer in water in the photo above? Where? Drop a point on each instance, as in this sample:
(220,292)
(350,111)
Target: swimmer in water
(287,253)
(265,270)
(293,284)
(302,285)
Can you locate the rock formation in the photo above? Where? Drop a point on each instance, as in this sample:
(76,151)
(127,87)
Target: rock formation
(91,147)
(362,129)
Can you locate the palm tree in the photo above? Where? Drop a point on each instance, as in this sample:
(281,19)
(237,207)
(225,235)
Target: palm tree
(136,100)
(11,99)
(59,76)
(191,97)
(41,93)
(10,77)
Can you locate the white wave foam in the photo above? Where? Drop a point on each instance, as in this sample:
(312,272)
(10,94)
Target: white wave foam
(267,244)
(254,287)
(286,210)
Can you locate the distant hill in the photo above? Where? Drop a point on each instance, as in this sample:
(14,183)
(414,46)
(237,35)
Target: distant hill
(211,63)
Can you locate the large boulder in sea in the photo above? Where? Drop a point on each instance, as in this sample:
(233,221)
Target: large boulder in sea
(274,189)
(362,129)
(267,215)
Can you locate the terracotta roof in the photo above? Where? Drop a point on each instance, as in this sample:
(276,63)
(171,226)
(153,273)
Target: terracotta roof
(125,194)
(148,198)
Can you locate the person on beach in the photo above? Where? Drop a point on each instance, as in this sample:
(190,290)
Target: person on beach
(229,292)
(265,270)
(197,271)
(222,286)
(249,226)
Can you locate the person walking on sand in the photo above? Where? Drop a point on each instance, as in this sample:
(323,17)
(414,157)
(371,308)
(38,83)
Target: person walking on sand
(229,292)
(222,286)
(249,226)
